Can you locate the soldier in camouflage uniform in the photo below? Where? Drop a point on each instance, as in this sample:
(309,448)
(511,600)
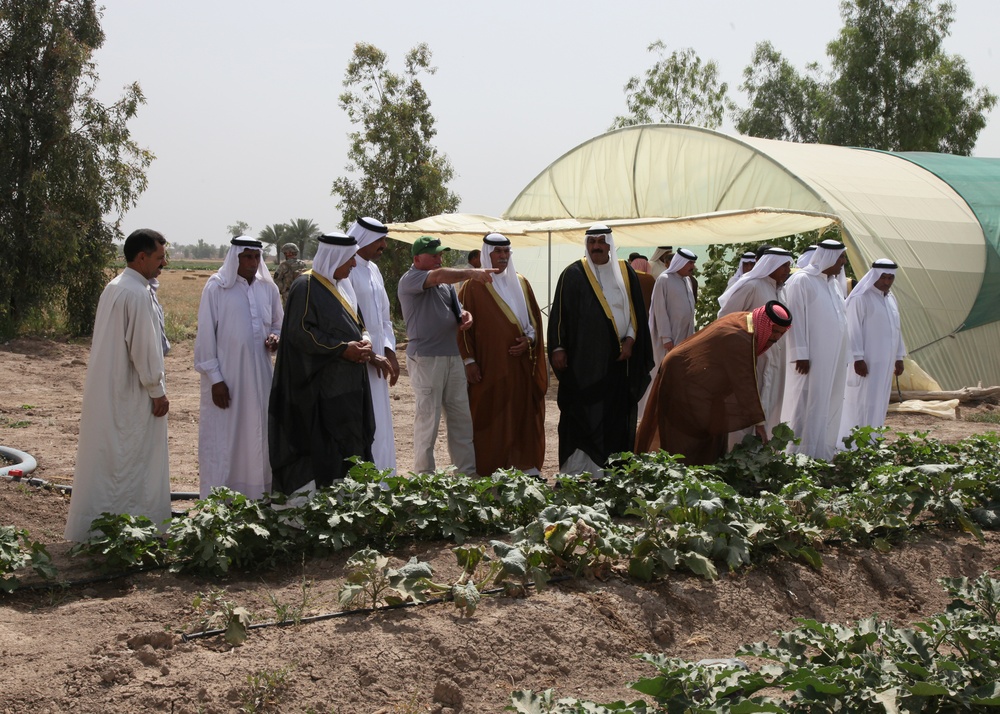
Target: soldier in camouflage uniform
(291,267)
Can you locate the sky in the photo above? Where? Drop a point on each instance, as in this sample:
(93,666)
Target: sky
(242,105)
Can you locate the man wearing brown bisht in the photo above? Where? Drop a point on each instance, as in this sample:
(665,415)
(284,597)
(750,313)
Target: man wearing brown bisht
(504,357)
(707,386)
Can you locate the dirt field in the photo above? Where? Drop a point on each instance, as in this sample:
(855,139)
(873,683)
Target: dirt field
(115,646)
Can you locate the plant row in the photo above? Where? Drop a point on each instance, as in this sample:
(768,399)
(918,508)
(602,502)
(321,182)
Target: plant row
(649,514)
(947,663)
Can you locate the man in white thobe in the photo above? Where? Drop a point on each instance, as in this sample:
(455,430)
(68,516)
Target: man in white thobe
(239,321)
(671,311)
(374,305)
(817,345)
(764,283)
(122,461)
(747,261)
(876,348)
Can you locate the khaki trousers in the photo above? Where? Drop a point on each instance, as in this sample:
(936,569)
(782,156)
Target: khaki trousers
(439,382)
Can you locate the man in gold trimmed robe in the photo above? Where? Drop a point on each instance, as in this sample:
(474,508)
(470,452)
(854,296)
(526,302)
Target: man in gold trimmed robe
(320,412)
(504,357)
(707,386)
(598,343)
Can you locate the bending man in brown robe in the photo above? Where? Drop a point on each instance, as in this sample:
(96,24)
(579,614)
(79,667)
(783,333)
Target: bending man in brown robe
(707,386)
(504,357)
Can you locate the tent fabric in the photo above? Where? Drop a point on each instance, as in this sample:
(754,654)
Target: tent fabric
(976,181)
(678,185)
(466,231)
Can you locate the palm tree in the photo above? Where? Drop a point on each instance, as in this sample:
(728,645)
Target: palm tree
(274,235)
(303,232)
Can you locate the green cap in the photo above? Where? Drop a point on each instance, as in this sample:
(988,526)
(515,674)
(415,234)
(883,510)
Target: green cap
(426,244)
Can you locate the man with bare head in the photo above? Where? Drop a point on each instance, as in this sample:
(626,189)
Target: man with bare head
(122,459)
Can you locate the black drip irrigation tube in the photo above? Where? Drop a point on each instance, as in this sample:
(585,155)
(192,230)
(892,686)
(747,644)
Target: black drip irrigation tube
(348,613)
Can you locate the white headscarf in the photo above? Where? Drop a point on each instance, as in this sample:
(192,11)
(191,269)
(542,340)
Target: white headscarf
(879,268)
(806,256)
(748,257)
(333,251)
(771,260)
(681,258)
(825,256)
(506,284)
(366,231)
(228,272)
(599,229)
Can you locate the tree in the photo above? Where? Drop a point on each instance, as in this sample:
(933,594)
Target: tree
(240,228)
(677,89)
(303,233)
(66,161)
(274,235)
(783,104)
(891,86)
(395,172)
(895,88)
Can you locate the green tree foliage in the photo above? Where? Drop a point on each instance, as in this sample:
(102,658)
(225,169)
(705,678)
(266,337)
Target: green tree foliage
(275,235)
(783,103)
(891,85)
(679,88)
(240,228)
(395,173)
(303,233)
(66,161)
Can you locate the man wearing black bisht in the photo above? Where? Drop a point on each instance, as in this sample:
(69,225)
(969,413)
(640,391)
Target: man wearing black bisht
(320,413)
(599,347)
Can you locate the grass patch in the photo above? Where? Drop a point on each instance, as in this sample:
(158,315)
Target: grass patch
(180,294)
(14,424)
(263,691)
(192,264)
(983,417)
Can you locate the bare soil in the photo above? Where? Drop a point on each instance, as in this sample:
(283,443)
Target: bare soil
(116,646)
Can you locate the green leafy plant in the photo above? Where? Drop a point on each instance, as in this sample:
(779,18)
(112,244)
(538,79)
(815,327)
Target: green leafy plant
(225,529)
(18,550)
(293,612)
(948,663)
(370,580)
(263,691)
(123,541)
(218,612)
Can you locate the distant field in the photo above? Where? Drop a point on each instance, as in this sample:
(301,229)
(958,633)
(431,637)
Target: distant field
(180,293)
(195,264)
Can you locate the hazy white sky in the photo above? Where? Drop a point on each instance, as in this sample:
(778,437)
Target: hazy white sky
(242,109)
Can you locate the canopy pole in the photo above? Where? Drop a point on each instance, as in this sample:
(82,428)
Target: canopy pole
(549,281)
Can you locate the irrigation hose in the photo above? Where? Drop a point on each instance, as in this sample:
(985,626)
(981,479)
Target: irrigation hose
(25,463)
(347,613)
